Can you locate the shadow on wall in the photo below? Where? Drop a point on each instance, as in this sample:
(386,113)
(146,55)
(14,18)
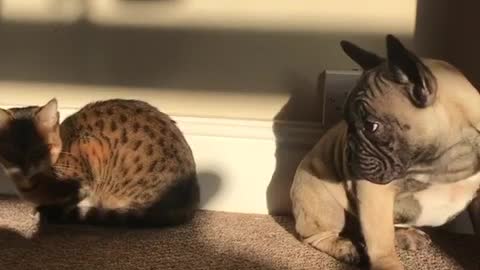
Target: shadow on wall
(291,147)
(210,183)
(447,30)
(431,28)
(207,59)
(464,42)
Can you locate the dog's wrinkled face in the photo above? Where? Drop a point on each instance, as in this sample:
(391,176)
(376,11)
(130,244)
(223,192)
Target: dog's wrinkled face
(388,113)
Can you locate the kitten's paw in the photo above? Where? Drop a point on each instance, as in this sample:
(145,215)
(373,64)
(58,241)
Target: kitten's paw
(338,247)
(411,239)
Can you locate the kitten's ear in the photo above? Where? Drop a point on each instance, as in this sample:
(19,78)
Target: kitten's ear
(406,67)
(48,115)
(5,116)
(363,58)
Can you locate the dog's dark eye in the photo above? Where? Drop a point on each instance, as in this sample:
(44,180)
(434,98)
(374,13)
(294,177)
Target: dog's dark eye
(371,126)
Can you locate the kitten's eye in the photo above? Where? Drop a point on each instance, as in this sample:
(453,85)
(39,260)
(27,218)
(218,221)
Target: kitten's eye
(371,126)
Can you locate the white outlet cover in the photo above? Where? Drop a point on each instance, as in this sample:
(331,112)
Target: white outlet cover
(334,86)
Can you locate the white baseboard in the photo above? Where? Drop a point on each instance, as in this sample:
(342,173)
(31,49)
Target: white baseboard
(243,165)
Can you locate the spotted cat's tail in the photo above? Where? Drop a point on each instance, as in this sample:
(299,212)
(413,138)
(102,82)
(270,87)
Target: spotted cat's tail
(173,209)
(130,217)
(115,217)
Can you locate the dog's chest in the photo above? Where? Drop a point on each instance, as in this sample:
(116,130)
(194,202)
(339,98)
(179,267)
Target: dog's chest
(440,202)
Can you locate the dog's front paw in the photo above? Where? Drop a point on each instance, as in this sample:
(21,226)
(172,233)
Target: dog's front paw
(387,263)
(411,239)
(338,247)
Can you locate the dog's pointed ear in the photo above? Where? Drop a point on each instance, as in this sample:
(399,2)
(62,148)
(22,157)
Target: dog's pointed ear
(406,67)
(365,59)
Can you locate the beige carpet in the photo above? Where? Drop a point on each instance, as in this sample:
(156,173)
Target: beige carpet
(214,240)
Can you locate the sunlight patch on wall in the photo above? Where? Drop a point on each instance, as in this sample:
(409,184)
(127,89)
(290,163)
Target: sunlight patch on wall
(42,11)
(369,16)
(341,16)
(197,102)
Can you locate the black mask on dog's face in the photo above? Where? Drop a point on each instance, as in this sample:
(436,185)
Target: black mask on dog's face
(381,111)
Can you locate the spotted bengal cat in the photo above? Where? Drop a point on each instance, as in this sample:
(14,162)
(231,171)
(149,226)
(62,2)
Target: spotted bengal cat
(114,162)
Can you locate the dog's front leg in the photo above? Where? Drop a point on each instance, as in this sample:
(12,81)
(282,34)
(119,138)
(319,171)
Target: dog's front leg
(375,206)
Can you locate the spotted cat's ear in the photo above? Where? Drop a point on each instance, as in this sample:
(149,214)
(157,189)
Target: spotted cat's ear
(48,115)
(5,116)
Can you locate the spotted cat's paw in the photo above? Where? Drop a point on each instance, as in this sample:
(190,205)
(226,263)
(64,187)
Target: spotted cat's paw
(411,239)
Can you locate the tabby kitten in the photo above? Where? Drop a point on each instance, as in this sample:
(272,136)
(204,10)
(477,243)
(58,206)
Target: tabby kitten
(114,162)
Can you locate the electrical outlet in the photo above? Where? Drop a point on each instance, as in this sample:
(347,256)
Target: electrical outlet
(334,86)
